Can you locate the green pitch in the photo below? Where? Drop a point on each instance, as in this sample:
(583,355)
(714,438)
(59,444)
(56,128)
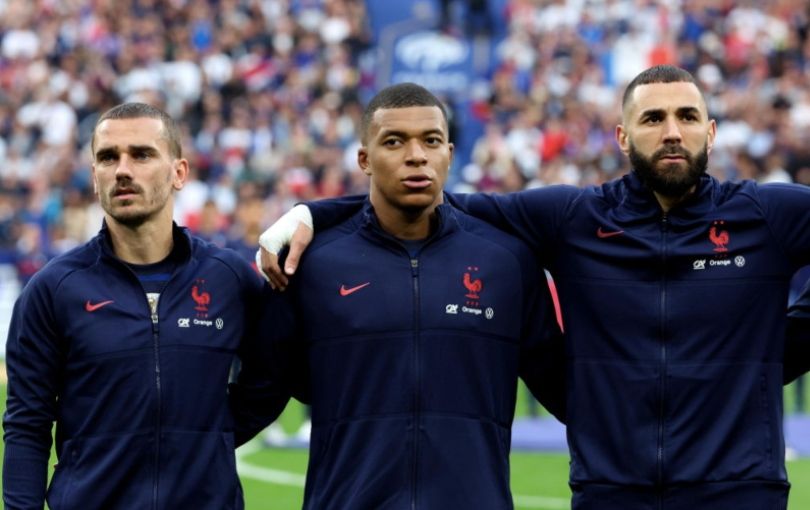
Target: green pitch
(538,480)
(273,478)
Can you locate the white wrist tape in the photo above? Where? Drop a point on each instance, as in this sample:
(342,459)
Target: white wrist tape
(280,233)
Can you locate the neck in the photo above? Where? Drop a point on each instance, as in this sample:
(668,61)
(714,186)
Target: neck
(147,243)
(667,202)
(406,224)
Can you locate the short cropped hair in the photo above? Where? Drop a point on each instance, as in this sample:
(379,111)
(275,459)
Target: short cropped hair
(402,95)
(171,132)
(658,74)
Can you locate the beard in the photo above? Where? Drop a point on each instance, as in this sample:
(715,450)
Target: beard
(131,220)
(122,211)
(671,180)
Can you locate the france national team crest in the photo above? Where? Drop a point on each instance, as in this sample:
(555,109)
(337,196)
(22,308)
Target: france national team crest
(720,238)
(473,287)
(201,298)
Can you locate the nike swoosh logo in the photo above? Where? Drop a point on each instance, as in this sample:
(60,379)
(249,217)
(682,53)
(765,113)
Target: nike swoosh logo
(602,234)
(90,307)
(345,292)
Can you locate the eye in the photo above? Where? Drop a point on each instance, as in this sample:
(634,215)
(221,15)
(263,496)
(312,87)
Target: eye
(434,140)
(141,155)
(105,158)
(392,142)
(652,119)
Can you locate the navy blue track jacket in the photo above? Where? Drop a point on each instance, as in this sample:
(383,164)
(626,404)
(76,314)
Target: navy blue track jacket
(139,396)
(675,328)
(414,360)
(797,347)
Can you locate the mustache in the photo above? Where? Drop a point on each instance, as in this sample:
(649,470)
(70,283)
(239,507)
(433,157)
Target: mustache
(125,187)
(672,151)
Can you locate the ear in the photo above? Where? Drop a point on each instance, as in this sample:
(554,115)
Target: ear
(452,149)
(623,139)
(179,173)
(362,160)
(711,135)
(95,178)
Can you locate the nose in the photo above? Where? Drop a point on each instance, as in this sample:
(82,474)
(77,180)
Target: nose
(672,131)
(415,155)
(123,169)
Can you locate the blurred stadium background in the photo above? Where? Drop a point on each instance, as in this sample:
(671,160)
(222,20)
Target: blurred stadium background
(269,94)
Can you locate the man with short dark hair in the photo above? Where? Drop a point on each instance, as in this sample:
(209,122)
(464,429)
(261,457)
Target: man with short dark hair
(415,321)
(126,343)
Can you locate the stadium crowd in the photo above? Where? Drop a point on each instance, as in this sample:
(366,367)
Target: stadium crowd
(269,93)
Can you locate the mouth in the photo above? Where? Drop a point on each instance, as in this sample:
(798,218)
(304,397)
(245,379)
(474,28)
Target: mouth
(672,158)
(417,182)
(124,193)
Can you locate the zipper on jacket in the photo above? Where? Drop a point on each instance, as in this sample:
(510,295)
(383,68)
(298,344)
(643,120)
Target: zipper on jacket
(662,303)
(417,380)
(153,309)
(153,303)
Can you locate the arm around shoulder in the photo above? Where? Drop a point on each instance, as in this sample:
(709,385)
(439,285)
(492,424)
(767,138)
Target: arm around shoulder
(533,215)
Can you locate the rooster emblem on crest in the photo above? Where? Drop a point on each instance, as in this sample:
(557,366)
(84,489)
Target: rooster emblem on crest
(203,299)
(473,286)
(718,237)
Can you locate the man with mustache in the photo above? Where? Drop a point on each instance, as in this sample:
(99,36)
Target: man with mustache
(673,289)
(126,343)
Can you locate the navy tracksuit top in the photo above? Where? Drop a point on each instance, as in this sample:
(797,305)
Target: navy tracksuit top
(798,336)
(413,361)
(139,396)
(675,334)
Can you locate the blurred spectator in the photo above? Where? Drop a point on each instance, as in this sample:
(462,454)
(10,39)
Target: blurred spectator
(210,224)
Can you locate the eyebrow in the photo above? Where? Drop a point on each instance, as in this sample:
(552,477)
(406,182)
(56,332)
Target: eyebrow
(403,134)
(680,111)
(109,151)
(112,151)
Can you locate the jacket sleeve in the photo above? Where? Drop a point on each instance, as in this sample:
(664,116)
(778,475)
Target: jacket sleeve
(34,363)
(797,343)
(533,215)
(543,361)
(787,209)
(332,211)
(271,372)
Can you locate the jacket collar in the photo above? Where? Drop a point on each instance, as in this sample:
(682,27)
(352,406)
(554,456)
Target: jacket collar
(641,202)
(181,250)
(446,217)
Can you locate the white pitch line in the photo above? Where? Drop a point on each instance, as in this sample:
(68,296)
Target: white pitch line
(541,502)
(248,448)
(275,476)
(280,477)
(264,474)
